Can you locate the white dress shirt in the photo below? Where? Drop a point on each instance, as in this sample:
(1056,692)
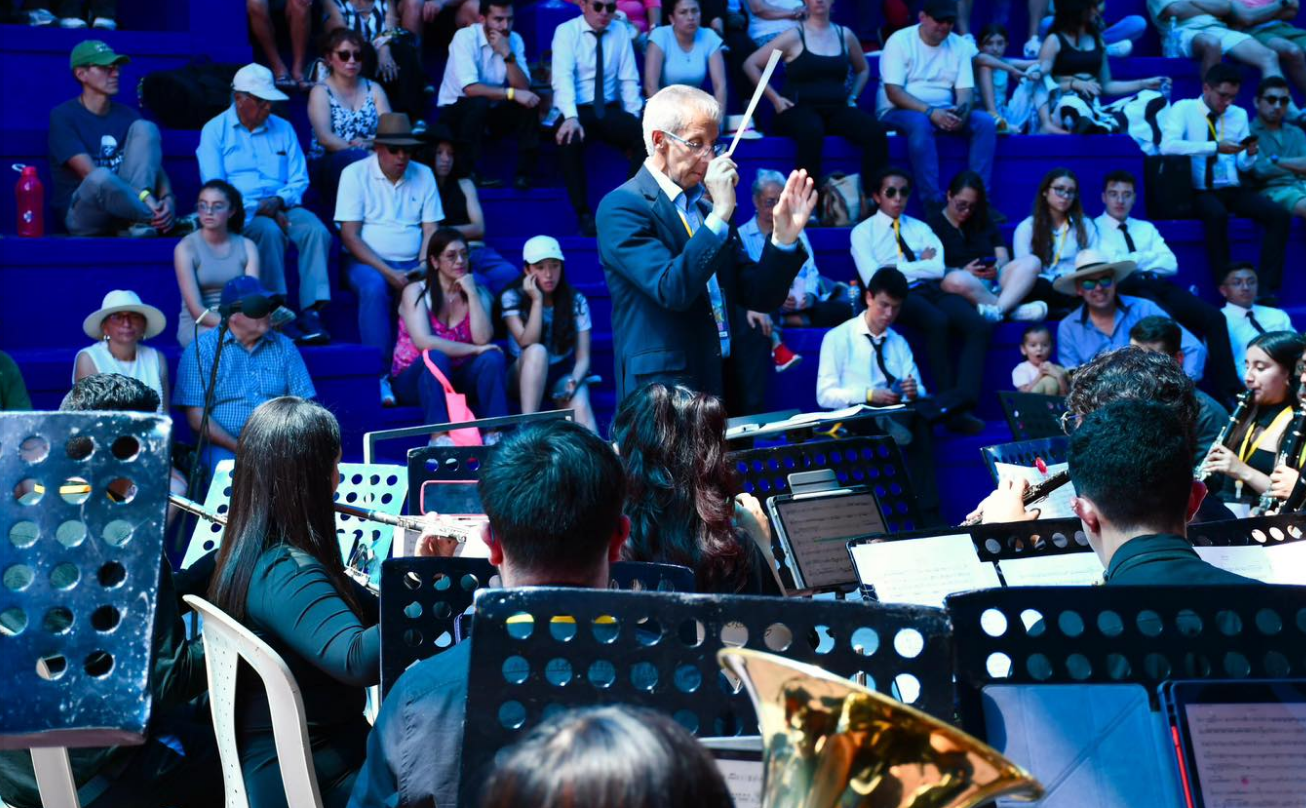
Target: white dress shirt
(1241,330)
(473,61)
(808,279)
(848,370)
(392,213)
(1150,253)
(1064,246)
(875,245)
(1186,131)
(573,67)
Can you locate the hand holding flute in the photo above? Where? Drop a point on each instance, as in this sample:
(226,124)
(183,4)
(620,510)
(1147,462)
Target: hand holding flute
(1008,503)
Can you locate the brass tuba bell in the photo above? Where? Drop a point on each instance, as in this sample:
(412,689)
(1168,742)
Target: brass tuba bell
(830,743)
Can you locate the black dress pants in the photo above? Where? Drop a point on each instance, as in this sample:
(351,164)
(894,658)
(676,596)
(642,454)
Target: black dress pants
(407,91)
(952,329)
(472,120)
(748,366)
(808,125)
(618,128)
(1214,207)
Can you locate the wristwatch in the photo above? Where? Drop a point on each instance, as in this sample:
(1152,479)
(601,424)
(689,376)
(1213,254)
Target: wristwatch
(511,58)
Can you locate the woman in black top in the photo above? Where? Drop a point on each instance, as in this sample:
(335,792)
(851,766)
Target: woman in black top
(462,212)
(280,574)
(818,56)
(972,243)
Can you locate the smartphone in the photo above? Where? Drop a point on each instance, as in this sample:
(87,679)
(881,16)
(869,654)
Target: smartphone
(989,261)
(1250,139)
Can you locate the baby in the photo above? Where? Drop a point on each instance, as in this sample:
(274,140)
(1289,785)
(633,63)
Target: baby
(1036,374)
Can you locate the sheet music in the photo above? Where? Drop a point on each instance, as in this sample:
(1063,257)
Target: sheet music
(1288,560)
(1065,569)
(1057,504)
(1249,755)
(818,530)
(923,571)
(743,780)
(1250,561)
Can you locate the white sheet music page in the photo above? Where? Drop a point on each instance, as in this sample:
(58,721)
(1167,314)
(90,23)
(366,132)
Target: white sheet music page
(923,571)
(1249,755)
(1251,561)
(1062,569)
(1057,504)
(743,780)
(1289,562)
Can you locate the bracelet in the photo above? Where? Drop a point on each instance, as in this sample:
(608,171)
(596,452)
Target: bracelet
(144,193)
(511,92)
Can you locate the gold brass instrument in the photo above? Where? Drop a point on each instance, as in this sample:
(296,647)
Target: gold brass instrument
(444,527)
(1235,418)
(1033,494)
(830,743)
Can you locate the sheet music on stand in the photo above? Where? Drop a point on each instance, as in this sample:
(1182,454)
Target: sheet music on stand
(811,419)
(922,571)
(1057,504)
(1066,569)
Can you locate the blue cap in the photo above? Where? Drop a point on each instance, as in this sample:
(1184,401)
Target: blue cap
(242,287)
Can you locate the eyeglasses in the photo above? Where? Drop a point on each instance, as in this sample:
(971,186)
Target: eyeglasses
(1064,192)
(216,207)
(397,149)
(1070,422)
(1277,100)
(697,149)
(963,206)
(604,8)
(768,202)
(126,317)
(894,191)
(1100,283)
(349,55)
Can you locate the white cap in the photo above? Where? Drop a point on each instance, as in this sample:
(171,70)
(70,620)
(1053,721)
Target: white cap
(538,248)
(257,80)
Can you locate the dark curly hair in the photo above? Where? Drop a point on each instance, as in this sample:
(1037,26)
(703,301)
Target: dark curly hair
(680,485)
(1040,242)
(1133,373)
(234,199)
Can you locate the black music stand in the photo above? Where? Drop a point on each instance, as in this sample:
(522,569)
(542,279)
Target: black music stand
(422,600)
(1025,453)
(81,540)
(1266,531)
(1032,415)
(659,651)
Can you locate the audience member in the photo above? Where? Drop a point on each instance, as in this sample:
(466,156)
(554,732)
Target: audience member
(1074,56)
(1038,374)
(13,390)
(1135,506)
(206,259)
(1280,167)
(976,258)
(927,86)
(106,160)
(1213,131)
(118,327)
(818,56)
(413,751)
(445,15)
(1277,33)
(1271,365)
(607,757)
(596,90)
(1013,110)
(684,52)
(1102,323)
(259,154)
(387,210)
(1245,318)
(299,24)
(1123,238)
(279,573)
(935,308)
(768,19)
(680,491)
(257,364)
(1118,36)
(462,211)
(101,14)
(1201,31)
(486,90)
(1286,482)
(1055,234)
(390,55)
(1163,335)
(444,338)
(343,110)
(551,353)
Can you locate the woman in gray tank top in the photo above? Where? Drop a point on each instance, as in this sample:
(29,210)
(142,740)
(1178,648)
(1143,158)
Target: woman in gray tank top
(206,259)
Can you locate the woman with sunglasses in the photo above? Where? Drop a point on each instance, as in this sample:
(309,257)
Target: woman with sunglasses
(206,259)
(1055,233)
(390,54)
(343,110)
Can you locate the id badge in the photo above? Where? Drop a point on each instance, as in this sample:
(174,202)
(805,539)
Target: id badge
(1220,177)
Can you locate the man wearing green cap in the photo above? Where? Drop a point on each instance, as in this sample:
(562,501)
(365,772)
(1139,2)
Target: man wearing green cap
(107,161)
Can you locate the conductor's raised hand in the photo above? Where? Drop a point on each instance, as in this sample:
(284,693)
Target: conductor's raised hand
(797,201)
(722,177)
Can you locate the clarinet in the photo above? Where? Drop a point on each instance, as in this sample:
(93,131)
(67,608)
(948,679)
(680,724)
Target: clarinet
(1289,450)
(1239,412)
(1032,494)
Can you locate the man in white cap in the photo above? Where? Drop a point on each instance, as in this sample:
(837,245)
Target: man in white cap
(1103,322)
(259,154)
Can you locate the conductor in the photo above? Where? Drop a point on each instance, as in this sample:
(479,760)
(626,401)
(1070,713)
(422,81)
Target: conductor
(673,262)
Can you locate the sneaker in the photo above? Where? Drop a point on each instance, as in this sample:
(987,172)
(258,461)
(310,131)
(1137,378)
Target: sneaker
(183,226)
(491,438)
(139,231)
(289,329)
(72,22)
(419,128)
(441,440)
(989,312)
(1032,47)
(105,24)
(784,358)
(282,315)
(387,393)
(314,333)
(1031,312)
(41,17)
(1120,50)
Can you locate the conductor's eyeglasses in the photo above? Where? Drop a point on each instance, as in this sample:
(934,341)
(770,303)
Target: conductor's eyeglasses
(698,149)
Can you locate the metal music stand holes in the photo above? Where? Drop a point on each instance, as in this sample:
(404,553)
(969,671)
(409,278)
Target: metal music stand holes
(453,463)
(1266,531)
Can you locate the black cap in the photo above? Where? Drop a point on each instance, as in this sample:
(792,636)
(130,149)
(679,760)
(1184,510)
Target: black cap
(941,10)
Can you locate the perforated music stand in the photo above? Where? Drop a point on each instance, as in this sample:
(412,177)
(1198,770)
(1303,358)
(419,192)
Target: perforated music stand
(81,573)
(1032,415)
(422,600)
(444,464)
(1025,453)
(659,651)
(1265,531)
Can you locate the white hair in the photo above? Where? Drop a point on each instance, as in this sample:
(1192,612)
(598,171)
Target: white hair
(765,177)
(674,108)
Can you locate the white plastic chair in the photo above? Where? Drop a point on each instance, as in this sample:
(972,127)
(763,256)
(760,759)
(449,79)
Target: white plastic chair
(226,642)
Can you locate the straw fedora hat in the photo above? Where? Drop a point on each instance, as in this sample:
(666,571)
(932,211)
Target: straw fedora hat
(124,300)
(1091,262)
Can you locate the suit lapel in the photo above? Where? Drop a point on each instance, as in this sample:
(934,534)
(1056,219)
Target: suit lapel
(663,211)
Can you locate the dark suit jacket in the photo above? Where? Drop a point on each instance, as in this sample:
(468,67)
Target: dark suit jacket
(662,325)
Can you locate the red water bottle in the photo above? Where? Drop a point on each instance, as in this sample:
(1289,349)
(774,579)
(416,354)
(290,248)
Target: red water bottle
(31,204)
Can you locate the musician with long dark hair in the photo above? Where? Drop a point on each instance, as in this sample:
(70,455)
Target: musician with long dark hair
(280,574)
(1249,457)
(1286,482)
(680,491)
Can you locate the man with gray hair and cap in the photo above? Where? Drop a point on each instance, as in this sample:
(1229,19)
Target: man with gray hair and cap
(106,161)
(673,262)
(259,154)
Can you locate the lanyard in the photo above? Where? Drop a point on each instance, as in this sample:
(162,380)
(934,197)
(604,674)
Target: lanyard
(1061,245)
(1211,126)
(684,221)
(1279,421)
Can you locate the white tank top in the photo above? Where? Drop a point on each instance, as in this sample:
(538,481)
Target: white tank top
(144,368)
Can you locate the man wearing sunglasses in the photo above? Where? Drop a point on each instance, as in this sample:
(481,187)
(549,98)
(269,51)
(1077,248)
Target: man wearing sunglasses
(1103,322)
(675,265)
(596,90)
(1280,168)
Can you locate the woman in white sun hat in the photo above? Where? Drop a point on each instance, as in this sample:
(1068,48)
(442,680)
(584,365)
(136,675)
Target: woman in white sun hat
(118,327)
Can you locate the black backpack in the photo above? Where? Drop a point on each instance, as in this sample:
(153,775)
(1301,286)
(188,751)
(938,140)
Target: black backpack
(187,97)
(1169,183)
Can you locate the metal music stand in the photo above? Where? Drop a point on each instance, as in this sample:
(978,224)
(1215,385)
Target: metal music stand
(371,439)
(443,463)
(535,652)
(1025,453)
(1032,415)
(423,599)
(1266,531)
(81,545)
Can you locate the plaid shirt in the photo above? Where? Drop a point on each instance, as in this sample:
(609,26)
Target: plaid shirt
(247,377)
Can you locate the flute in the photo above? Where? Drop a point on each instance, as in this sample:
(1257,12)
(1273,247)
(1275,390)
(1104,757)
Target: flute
(1032,494)
(443,527)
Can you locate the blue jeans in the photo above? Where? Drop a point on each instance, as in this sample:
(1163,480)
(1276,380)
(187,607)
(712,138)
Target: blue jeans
(481,378)
(924,153)
(1131,28)
(376,304)
(492,269)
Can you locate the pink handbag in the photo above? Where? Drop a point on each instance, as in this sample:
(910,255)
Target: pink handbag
(459,412)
